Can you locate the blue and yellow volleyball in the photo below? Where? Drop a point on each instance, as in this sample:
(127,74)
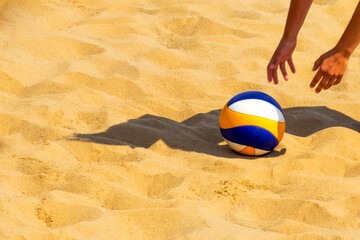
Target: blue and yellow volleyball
(252,123)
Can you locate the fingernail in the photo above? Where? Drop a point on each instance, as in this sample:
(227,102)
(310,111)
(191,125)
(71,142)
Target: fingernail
(286,78)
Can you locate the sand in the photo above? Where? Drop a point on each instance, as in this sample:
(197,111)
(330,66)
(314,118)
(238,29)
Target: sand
(109,123)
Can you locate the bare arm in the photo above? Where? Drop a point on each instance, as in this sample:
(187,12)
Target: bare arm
(351,36)
(283,53)
(333,63)
(296,17)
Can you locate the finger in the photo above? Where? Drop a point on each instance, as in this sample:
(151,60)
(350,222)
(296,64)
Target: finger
(273,67)
(292,66)
(322,84)
(269,74)
(338,80)
(283,71)
(274,72)
(317,63)
(330,82)
(316,79)
(270,69)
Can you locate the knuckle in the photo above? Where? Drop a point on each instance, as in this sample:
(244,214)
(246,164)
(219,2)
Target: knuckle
(323,68)
(331,72)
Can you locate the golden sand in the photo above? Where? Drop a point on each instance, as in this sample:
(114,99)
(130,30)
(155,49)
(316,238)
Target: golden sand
(109,123)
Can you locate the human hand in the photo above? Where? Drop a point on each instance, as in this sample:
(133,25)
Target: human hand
(332,66)
(282,54)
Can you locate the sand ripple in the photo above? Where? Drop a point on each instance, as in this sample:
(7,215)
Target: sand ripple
(109,123)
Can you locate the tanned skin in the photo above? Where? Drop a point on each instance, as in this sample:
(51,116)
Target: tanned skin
(330,66)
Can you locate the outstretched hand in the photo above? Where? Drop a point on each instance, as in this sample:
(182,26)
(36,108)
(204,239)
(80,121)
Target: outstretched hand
(282,54)
(332,66)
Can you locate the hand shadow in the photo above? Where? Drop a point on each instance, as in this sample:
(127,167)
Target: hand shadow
(201,134)
(304,121)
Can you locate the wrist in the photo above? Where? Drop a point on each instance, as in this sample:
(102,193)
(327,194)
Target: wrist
(289,42)
(289,38)
(345,51)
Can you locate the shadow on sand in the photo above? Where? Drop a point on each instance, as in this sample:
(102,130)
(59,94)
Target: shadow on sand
(201,134)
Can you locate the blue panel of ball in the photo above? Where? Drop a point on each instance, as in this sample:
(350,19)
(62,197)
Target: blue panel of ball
(252,136)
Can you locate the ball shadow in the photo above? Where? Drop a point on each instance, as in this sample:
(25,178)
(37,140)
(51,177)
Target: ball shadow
(201,134)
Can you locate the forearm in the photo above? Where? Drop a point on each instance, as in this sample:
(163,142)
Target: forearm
(296,17)
(351,36)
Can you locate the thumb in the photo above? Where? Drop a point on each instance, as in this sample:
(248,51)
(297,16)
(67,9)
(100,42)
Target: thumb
(317,63)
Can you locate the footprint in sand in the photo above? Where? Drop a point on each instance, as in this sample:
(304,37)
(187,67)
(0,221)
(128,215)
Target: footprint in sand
(60,210)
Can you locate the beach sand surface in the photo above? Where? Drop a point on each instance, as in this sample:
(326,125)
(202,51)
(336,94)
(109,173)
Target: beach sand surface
(109,123)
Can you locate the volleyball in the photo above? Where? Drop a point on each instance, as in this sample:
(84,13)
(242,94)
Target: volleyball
(252,123)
